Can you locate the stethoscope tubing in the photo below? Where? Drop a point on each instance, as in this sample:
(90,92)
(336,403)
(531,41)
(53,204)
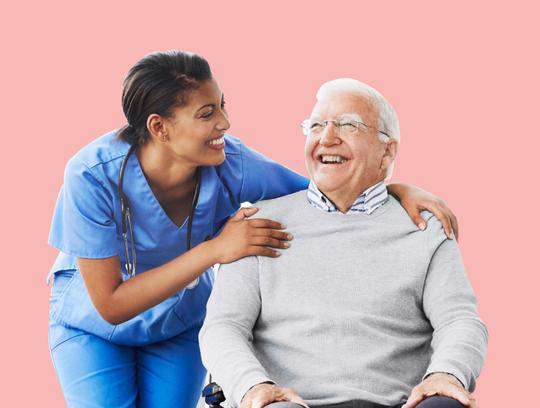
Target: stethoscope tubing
(127,226)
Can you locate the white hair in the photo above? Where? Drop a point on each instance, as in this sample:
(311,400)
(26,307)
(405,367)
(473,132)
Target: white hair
(388,119)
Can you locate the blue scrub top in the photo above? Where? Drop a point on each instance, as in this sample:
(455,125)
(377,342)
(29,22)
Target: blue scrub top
(87,224)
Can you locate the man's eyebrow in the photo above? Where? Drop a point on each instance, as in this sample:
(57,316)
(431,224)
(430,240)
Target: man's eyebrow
(352,115)
(348,115)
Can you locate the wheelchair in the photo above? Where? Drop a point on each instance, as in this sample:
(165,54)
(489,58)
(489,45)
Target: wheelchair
(213,395)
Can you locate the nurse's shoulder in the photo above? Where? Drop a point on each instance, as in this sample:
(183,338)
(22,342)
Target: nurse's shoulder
(106,148)
(100,160)
(251,176)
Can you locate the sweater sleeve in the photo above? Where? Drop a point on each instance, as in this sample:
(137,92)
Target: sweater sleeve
(226,336)
(459,336)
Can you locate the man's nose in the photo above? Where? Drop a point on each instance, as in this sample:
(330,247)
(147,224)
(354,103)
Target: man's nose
(330,135)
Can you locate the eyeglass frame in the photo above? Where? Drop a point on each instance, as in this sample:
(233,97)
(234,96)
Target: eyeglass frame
(339,126)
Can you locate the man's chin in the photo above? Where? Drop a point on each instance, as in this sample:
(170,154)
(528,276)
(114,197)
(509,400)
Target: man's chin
(327,184)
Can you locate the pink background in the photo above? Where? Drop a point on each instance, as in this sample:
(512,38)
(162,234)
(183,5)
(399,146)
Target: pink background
(463,77)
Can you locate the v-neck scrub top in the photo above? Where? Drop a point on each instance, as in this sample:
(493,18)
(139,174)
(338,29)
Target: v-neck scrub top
(87,224)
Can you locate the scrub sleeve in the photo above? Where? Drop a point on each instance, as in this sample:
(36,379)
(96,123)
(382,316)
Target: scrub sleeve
(83,223)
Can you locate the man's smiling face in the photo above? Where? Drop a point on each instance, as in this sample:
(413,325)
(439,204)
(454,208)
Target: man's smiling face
(341,163)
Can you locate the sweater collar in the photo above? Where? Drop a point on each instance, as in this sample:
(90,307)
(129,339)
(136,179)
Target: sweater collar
(367,202)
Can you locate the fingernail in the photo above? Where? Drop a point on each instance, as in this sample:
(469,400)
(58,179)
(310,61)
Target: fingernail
(286,244)
(289,236)
(276,253)
(452,235)
(283,226)
(422,226)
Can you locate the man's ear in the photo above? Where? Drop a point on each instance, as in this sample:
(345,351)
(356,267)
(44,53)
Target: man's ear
(156,127)
(390,152)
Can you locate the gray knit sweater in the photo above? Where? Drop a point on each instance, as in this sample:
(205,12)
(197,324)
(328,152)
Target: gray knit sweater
(360,307)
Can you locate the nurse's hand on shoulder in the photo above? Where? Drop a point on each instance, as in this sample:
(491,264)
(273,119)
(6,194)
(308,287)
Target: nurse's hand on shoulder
(414,200)
(243,237)
(261,395)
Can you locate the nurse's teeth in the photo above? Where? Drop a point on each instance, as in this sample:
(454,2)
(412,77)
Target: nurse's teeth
(333,159)
(217,141)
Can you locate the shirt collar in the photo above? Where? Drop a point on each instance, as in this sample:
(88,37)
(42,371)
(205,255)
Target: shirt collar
(367,202)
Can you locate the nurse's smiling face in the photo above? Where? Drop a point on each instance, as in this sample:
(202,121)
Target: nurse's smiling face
(194,132)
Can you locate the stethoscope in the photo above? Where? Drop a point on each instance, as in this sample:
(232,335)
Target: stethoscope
(127,225)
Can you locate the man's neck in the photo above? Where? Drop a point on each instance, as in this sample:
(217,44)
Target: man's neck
(344,200)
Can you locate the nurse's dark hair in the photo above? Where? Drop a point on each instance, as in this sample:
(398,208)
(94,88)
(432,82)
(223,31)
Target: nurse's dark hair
(159,83)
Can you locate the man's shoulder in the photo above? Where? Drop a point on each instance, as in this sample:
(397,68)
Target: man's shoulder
(400,220)
(280,206)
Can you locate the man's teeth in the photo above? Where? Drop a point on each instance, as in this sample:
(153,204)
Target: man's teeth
(217,141)
(333,159)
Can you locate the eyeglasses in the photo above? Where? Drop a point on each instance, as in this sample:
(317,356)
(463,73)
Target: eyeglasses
(344,127)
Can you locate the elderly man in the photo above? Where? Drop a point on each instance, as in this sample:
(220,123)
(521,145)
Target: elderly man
(363,310)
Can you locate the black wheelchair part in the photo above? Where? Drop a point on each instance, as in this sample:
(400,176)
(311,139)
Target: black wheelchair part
(213,395)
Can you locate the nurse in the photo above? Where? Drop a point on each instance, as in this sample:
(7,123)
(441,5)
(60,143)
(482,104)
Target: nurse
(143,215)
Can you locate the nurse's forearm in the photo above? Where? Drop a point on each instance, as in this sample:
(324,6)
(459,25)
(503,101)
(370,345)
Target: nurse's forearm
(118,301)
(158,284)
